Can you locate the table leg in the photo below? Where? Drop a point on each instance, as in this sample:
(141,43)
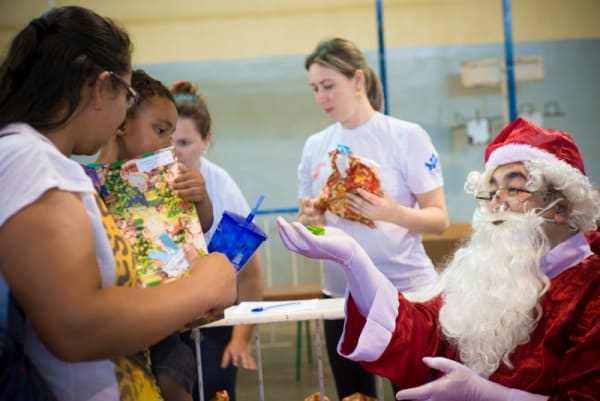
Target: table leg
(197,337)
(298,349)
(319,358)
(261,385)
(380,391)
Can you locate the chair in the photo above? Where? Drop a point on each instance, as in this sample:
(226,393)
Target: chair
(440,247)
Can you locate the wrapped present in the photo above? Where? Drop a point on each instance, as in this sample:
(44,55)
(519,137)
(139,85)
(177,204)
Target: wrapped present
(316,396)
(221,395)
(358,397)
(155,220)
(349,173)
(152,217)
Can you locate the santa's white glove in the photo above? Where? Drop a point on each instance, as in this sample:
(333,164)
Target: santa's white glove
(462,384)
(363,277)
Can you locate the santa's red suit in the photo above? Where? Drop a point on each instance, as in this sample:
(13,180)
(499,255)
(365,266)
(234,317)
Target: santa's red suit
(561,360)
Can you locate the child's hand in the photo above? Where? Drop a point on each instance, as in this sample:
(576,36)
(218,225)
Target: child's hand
(238,353)
(190,184)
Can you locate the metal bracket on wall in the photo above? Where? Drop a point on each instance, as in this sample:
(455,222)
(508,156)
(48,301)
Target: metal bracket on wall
(552,109)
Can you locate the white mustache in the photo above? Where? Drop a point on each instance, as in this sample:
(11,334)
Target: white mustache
(501,215)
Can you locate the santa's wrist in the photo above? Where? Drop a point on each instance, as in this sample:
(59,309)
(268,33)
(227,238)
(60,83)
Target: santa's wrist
(493,391)
(498,392)
(519,395)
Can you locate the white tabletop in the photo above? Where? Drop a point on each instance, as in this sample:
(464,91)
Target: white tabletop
(309,309)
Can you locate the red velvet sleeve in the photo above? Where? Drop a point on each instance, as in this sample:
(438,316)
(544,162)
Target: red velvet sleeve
(593,238)
(579,369)
(562,358)
(416,335)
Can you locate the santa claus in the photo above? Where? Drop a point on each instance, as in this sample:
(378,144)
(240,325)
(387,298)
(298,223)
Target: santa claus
(516,313)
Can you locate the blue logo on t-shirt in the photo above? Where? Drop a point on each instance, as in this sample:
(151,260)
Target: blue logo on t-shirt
(431,164)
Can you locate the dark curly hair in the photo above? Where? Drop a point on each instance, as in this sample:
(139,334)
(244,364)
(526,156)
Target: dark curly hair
(147,87)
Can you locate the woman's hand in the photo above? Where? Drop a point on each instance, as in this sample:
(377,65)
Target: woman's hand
(216,275)
(371,206)
(430,217)
(310,214)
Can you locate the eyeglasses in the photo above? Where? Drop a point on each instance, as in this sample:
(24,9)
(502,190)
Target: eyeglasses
(132,95)
(510,193)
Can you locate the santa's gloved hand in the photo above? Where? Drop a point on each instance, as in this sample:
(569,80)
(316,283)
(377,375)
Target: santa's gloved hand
(462,384)
(364,279)
(333,245)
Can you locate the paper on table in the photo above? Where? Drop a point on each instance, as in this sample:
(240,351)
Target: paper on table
(246,307)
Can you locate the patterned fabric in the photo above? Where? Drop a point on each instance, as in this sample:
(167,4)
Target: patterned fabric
(124,262)
(134,375)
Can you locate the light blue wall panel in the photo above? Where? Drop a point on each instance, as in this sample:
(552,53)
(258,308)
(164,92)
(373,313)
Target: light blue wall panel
(263,109)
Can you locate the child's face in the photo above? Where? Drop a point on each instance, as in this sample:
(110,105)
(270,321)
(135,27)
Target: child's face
(149,129)
(188,142)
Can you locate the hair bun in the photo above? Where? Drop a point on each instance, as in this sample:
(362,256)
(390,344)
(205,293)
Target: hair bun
(184,87)
(177,84)
(41,25)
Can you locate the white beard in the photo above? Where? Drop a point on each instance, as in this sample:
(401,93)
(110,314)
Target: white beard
(491,288)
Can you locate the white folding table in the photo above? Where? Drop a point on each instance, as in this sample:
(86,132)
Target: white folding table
(286,311)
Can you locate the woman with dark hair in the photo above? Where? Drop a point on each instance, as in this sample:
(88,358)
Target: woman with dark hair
(64,89)
(407,165)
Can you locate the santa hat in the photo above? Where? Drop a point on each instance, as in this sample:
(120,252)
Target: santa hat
(522,141)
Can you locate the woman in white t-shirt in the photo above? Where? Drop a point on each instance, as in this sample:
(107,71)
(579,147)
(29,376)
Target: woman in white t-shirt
(225,346)
(413,203)
(64,90)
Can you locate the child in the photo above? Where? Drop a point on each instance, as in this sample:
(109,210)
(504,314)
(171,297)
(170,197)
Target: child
(147,128)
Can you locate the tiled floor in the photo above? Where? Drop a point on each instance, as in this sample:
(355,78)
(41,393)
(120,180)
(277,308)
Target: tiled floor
(279,368)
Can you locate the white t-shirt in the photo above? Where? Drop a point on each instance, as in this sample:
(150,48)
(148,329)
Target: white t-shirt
(30,165)
(224,194)
(408,164)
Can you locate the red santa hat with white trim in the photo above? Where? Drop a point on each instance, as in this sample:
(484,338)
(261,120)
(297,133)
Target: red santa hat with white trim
(523,140)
